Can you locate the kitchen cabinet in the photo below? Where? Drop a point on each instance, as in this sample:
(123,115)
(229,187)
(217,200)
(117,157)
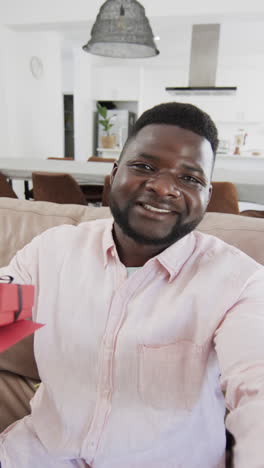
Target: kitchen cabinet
(115,84)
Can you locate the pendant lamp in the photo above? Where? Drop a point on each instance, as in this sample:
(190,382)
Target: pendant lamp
(122,30)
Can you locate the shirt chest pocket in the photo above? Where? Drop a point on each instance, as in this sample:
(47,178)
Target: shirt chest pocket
(171,376)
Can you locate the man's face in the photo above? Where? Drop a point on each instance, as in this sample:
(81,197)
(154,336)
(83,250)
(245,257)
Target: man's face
(161,187)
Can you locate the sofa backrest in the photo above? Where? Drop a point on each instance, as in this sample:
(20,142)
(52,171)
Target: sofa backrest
(21,220)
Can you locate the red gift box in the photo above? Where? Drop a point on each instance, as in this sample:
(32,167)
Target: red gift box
(16,303)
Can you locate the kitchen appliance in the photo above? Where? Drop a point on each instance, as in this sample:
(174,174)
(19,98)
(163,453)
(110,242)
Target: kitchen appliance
(203,64)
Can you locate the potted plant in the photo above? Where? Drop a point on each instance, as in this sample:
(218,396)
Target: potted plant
(107,140)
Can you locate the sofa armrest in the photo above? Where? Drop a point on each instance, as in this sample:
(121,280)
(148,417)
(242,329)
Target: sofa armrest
(16,393)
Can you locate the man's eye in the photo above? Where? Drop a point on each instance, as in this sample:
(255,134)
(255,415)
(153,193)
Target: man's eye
(191,179)
(142,167)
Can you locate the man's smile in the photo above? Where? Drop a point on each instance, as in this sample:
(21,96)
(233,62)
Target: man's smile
(155,209)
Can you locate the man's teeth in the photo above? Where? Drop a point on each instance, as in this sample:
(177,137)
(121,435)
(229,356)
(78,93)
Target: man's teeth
(157,210)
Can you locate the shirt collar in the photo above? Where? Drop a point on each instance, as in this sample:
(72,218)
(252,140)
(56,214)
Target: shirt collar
(109,248)
(172,259)
(175,256)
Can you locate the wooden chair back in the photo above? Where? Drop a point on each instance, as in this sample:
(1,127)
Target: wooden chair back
(5,188)
(224,198)
(57,188)
(106,191)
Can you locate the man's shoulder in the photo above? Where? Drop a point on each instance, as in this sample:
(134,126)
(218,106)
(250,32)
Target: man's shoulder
(66,235)
(218,250)
(77,229)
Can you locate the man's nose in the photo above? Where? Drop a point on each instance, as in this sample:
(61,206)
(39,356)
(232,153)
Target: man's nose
(163,185)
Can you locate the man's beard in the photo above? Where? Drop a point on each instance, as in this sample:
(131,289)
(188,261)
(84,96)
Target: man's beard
(178,231)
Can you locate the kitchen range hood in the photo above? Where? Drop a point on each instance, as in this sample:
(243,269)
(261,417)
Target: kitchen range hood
(203,64)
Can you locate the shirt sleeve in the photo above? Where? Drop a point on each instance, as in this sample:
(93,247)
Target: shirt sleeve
(23,266)
(239,342)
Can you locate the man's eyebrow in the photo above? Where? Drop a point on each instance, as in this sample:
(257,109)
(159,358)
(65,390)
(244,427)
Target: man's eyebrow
(149,156)
(193,168)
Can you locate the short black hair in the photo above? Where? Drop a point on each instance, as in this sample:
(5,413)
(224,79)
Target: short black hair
(183,115)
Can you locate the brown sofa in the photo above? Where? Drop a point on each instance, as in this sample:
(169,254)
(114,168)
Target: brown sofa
(21,220)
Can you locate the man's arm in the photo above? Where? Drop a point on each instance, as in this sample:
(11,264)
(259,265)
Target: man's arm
(22,264)
(239,345)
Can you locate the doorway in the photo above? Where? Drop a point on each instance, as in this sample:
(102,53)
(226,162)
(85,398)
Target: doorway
(68,126)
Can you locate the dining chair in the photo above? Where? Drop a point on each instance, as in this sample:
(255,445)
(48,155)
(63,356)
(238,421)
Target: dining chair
(224,198)
(253,213)
(106,191)
(29,194)
(5,188)
(57,188)
(92,193)
(97,193)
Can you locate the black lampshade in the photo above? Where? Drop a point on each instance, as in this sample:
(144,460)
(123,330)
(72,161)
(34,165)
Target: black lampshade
(122,30)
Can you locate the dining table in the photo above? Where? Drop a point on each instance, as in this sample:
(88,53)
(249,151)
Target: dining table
(84,172)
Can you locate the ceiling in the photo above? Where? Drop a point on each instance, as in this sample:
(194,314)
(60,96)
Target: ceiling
(171,22)
(17,12)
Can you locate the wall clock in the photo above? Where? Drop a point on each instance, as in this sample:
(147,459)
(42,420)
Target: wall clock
(36,67)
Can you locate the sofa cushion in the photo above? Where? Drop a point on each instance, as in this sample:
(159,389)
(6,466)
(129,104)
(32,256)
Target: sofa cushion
(245,233)
(21,220)
(16,393)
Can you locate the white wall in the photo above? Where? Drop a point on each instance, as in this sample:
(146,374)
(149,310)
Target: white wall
(8,78)
(115,83)
(39,101)
(34,107)
(67,74)
(83,105)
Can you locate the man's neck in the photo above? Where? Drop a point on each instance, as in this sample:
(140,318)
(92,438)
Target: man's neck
(132,253)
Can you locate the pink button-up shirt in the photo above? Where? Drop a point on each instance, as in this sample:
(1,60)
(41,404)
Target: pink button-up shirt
(130,366)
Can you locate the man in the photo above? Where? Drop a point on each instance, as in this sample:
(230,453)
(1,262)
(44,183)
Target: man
(146,320)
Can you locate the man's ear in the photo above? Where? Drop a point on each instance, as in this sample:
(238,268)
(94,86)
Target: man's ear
(209,194)
(113,172)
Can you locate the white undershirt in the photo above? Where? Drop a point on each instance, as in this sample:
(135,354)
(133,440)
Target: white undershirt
(131,270)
